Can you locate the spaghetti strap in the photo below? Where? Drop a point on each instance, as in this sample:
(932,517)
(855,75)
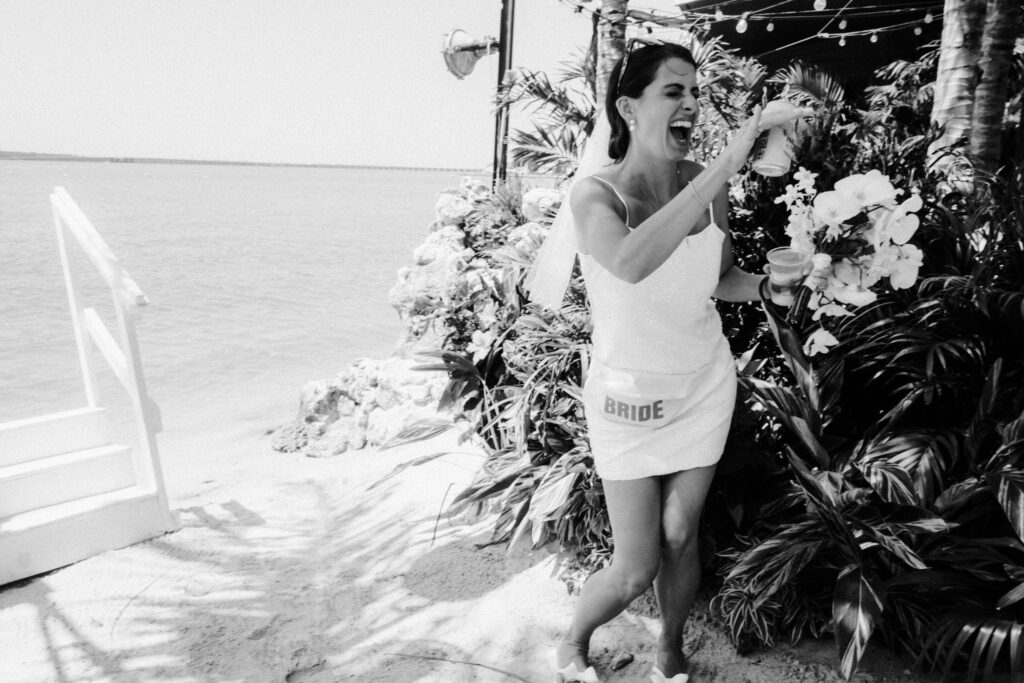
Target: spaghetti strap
(711,212)
(617,194)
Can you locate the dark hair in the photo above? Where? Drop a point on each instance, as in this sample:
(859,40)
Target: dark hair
(641,68)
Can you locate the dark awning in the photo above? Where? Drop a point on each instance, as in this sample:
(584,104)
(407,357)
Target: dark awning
(800,32)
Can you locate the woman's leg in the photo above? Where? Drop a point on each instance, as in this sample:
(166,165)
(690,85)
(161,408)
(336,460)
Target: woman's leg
(635,511)
(678,579)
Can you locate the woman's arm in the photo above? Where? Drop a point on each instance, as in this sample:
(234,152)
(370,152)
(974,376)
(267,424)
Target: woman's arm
(734,283)
(633,255)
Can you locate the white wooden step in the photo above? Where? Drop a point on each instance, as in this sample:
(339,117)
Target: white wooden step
(39,437)
(62,478)
(58,535)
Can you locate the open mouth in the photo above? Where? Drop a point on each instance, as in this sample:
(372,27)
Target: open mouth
(681,130)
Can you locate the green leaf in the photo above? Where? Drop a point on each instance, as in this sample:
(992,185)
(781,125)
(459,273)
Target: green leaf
(405,465)
(1009,489)
(856,608)
(891,482)
(420,430)
(1011,597)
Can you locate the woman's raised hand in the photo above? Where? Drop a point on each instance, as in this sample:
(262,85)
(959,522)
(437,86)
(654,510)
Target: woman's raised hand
(781,113)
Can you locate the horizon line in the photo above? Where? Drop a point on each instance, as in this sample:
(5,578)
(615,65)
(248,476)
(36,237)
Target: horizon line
(45,156)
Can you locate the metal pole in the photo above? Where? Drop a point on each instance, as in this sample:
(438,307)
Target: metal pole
(508,11)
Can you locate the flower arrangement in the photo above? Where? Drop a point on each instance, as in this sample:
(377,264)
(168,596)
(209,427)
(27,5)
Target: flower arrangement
(856,236)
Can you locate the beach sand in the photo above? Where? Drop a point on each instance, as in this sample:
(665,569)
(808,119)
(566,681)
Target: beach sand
(289,568)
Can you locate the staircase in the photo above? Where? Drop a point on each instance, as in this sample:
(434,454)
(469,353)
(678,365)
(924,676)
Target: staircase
(67,491)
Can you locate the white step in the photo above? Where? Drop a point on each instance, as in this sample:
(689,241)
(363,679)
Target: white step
(62,478)
(55,536)
(39,437)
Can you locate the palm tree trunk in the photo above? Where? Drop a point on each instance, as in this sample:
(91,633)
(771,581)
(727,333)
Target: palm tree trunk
(956,76)
(611,42)
(986,133)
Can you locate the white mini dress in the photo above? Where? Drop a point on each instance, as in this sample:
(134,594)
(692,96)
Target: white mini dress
(661,387)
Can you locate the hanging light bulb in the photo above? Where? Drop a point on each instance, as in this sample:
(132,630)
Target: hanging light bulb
(770,27)
(928,18)
(741,25)
(842,24)
(874,37)
(842,41)
(719,14)
(917,30)
(819,5)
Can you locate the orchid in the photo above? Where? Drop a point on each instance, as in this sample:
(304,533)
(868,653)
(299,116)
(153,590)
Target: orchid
(820,341)
(856,235)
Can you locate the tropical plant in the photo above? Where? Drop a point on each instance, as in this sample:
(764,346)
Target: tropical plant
(903,505)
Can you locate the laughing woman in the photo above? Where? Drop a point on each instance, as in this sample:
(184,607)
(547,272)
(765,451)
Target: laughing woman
(653,235)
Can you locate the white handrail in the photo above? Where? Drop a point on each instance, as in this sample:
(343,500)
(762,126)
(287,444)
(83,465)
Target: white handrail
(91,334)
(96,248)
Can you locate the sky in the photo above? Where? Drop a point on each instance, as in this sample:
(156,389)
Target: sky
(281,81)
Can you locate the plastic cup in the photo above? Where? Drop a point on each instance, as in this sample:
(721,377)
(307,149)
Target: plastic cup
(788,267)
(775,154)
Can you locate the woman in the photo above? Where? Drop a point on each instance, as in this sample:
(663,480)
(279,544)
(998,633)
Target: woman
(652,230)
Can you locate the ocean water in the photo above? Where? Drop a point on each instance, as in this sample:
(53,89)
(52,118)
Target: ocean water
(260,279)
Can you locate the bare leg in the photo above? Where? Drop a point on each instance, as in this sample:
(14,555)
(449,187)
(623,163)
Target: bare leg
(635,511)
(678,579)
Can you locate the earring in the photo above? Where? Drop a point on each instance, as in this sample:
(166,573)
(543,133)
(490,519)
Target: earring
(632,125)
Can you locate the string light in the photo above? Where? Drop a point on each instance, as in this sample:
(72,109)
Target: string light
(874,37)
(917,30)
(842,41)
(770,27)
(842,24)
(819,5)
(741,25)
(928,17)
(719,14)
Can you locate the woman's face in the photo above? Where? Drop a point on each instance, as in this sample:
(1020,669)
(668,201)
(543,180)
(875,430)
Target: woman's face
(667,110)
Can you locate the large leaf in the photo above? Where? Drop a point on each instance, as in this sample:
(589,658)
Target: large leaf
(977,637)
(856,608)
(891,482)
(1009,489)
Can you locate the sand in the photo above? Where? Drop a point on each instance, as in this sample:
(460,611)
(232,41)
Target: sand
(290,568)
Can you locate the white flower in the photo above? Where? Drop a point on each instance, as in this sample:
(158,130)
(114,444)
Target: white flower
(804,178)
(452,209)
(820,341)
(855,295)
(832,208)
(480,345)
(901,223)
(867,189)
(819,262)
(834,310)
(540,203)
(904,270)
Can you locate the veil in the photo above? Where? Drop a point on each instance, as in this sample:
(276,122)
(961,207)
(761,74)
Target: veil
(548,278)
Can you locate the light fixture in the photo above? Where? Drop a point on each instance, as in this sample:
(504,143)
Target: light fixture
(819,5)
(874,37)
(928,18)
(842,24)
(719,14)
(741,25)
(842,41)
(770,27)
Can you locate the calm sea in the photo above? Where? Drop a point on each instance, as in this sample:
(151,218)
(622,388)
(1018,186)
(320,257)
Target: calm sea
(260,279)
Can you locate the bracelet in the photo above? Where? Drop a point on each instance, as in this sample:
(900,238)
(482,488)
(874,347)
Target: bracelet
(762,287)
(697,195)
